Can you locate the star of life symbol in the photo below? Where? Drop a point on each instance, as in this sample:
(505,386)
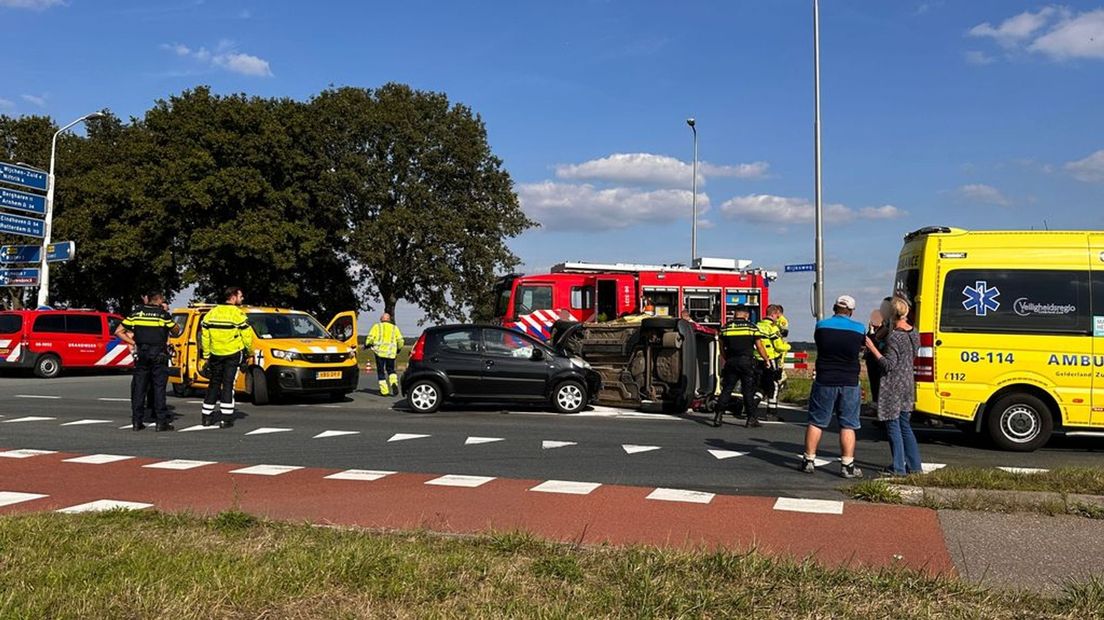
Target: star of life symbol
(980,298)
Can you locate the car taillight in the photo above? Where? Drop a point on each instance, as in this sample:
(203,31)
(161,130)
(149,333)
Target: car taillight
(418,352)
(925,358)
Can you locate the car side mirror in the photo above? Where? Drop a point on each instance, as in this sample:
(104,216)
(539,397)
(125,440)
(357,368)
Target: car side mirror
(538,355)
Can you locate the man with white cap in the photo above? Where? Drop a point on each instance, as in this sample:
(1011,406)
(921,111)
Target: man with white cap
(840,341)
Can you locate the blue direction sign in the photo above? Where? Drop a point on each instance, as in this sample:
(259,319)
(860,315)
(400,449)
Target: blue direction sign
(60,251)
(23,176)
(15,199)
(55,253)
(19,225)
(19,277)
(801,267)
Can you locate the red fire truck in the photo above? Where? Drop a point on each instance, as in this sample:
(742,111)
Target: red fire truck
(705,293)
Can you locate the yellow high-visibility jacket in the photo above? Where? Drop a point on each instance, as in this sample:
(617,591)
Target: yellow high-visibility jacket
(385,340)
(226,331)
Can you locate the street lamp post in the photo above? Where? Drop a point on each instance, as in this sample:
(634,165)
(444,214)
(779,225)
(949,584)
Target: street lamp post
(44,267)
(694,197)
(818,285)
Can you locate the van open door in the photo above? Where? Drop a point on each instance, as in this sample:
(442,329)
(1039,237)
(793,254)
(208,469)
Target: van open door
(343,328)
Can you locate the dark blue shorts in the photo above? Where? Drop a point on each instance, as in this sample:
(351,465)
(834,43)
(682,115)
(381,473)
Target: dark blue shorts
(842,401)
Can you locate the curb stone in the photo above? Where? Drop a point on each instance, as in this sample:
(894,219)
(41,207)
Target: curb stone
(914,495)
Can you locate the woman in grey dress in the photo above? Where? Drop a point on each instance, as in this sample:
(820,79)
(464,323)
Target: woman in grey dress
(897,394)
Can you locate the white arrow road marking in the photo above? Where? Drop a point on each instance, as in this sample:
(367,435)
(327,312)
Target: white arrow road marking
(7,498)
(267,430)
(179,464)
(405,436)
(197,427)
(816,506)
(928,468)
(633,449)
(726,454)
(325,434)
(83,422)
(566,486)
(37,396)
(24,453)
(457,480)
(30,418)
(470,441)
(101,505)
(679,495)
(266,470)
(367,475)
(547,445)
(98,459)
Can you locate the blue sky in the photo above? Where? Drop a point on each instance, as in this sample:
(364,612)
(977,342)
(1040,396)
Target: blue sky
(980,114)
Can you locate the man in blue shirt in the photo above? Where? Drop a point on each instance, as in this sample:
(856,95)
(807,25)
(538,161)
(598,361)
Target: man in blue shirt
(840,341)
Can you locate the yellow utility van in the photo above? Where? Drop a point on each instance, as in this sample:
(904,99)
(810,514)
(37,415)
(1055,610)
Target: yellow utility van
(292,354)
(1011,327)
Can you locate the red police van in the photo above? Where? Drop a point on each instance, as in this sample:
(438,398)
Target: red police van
(47,341)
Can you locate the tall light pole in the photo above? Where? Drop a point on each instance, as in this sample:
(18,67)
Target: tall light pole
(44,267)
(818,285)
(694,198)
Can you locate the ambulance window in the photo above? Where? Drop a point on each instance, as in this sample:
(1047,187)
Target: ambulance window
(907,285)
(530,298)
(1016,301)
(84,324)
(582,297)
(1098,302)
(50,324)
(10,323)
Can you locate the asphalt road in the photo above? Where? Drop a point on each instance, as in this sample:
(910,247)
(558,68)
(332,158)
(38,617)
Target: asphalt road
(606,445)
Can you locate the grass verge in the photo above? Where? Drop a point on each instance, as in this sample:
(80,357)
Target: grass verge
(1086,480)
(149,564)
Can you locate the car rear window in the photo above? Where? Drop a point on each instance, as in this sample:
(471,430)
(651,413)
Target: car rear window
(10,323)
(50,324)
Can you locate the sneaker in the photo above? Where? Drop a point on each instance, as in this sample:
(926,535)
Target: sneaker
(752,422)
(137,426)
(808,465)
(165,426)
(850,471)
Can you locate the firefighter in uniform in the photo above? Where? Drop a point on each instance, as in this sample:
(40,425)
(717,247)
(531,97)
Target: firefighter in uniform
(385,340)
(147,332)
(770,368)
(741,339)
(226,345)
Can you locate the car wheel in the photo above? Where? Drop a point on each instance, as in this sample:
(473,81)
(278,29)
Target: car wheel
(259,389)
(569,397)
(47,366)
(1020,422)
(424,396)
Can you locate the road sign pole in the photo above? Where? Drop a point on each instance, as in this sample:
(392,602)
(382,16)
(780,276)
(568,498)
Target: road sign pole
(818,285)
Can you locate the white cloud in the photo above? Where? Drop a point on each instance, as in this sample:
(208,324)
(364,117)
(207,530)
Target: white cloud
(1089,169)
(567,206)
(6,104)
(1079,36)
(783,210)
(1015,29)
(654,170)
(36,5)
(984,194)
(979,58)
(224,57)
(37,100)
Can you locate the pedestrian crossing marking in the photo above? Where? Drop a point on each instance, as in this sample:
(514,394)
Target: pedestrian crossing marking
(634,449)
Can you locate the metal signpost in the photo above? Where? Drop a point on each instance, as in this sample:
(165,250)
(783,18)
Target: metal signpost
(19,277)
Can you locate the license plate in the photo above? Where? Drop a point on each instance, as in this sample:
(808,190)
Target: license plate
(329,374)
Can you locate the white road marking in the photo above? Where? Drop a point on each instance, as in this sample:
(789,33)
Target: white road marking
(179,464)
(114,400)
(726,454)
(566,486)
(325,434)
(1023,470)
(680,495)
(197,427)
(548,445)
(405,436)
(815,506)
(621,415)
(471,441)
(7,498)
(124,428)
(265,430)
(634,449)
(367,475)
(98,459)
(25,453)
(101,505)
(928,468)
(30,418)
(84,422)
(266,470)
(195,402)
(37,396)
(457,480)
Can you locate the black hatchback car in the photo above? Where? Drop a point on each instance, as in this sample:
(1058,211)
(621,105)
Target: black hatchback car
(492,363)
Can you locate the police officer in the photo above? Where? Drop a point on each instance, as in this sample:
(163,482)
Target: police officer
(385,340)
(147,332)
(741,339)
(226,344)
(770,368)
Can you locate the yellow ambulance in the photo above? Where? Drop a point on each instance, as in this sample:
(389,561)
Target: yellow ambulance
(1011,327)
(292,354)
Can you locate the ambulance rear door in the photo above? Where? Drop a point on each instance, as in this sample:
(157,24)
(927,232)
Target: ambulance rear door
(1096,262)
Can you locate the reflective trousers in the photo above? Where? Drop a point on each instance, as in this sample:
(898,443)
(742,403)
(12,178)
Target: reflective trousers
(222,373)
(385,372)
